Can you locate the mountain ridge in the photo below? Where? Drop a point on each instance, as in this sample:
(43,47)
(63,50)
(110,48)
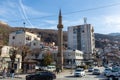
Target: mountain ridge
(50,35)
(114,34)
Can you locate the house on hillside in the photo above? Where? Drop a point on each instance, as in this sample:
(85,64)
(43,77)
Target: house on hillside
(27,44)
(21,38)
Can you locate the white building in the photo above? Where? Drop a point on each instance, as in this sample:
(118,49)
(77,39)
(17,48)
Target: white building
(21,38)
(6,61)
(73,57)
(81,37)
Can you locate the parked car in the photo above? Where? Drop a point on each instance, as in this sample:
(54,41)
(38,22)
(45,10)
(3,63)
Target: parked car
(107,71)
(115,72)
(90,69)
(42,68)
(79,72)
(43,75)
(96,72)
(51,68)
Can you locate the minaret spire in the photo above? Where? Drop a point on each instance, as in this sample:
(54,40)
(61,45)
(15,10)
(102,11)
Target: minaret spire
(60,12)
(60,20)
(60,17)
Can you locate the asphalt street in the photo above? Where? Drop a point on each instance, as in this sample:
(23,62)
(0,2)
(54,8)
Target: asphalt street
(66,75)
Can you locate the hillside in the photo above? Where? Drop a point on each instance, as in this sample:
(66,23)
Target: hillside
(48,35)
(4,32)
(114,34)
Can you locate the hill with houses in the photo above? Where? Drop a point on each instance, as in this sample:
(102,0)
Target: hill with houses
(49,35)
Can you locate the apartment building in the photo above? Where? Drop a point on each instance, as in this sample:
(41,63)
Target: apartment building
(81,37)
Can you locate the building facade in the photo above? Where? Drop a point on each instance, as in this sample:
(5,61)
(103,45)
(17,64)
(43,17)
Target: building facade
(73,58)
(21,38)
(5,60)
(26,42)
(81,37)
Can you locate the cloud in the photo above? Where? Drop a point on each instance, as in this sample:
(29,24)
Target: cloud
(113,23)
(32,12)
(50,21)
(6,8)
(112,20)
(10,10)
(106,23)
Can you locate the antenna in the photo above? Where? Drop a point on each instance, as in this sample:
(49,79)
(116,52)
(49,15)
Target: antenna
(85,20)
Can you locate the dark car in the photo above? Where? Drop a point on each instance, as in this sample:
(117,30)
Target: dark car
(90,69)
(44,75)
(96,72)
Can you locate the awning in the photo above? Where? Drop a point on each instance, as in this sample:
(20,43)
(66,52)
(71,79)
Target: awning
(30,61)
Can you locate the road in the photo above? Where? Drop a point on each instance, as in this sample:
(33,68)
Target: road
(66,75)
(88,76)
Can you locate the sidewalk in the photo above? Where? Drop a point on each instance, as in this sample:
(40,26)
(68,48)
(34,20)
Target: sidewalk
(17,76)
(63,74)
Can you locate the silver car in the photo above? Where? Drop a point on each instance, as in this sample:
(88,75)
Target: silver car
(79,72)
(96,72)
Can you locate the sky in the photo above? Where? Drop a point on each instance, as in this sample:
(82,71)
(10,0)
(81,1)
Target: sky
(104,15)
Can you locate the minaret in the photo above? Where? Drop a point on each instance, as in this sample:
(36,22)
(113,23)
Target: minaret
(60,42)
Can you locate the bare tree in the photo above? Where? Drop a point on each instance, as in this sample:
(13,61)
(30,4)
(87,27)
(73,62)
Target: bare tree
(12,54)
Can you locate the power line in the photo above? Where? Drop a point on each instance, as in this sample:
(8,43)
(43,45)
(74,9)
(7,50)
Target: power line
(84,10)
(90,9)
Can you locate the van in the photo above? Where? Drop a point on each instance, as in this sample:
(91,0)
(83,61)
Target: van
(51,68)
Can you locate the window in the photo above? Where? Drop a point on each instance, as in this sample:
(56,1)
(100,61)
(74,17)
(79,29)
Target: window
(36,55)
(83,31)
(74,31)
(35,38)
(34,44)
(28,38)
(13,37)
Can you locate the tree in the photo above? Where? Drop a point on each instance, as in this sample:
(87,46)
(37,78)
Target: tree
(47,59)
(12,54)
(25,50)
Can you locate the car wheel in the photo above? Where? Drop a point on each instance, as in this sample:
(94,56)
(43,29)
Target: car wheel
(33,78)
(50,78)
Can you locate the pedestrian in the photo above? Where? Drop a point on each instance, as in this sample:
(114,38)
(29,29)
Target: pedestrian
(8,72)
(57,70)
(12,72)
(4,72)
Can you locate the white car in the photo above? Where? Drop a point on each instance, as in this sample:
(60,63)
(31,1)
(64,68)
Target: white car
(79,72)
(51,68)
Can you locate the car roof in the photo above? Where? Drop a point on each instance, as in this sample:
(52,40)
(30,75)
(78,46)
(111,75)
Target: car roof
(96,69)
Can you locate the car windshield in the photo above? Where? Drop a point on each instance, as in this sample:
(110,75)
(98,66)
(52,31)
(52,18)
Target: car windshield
(115,70)
(90,68)
(78,70)
(108,69)
(96,69)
